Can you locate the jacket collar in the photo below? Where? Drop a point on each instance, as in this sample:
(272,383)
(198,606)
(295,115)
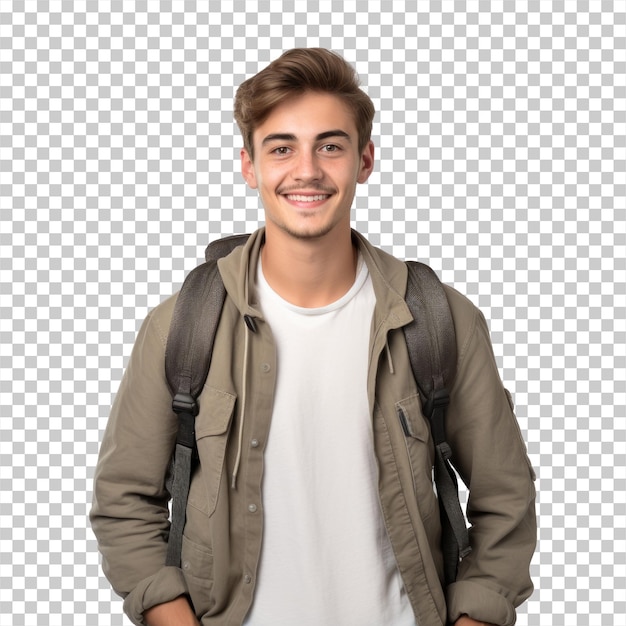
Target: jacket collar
(238,270)
(389,277)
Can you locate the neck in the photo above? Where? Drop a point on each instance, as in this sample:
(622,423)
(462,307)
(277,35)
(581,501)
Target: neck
(309,273)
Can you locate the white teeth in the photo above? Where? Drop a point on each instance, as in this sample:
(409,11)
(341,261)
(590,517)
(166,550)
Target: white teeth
(295,198)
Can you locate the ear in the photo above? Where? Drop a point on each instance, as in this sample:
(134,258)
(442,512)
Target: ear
(367,162)
(247,169)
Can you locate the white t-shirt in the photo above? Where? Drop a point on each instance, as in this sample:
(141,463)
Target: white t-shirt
(326,559)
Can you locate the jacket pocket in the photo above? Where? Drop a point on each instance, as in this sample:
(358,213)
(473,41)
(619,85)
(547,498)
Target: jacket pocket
(212,431)
(420,452)
(197,566)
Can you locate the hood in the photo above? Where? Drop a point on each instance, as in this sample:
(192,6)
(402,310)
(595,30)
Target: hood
(238,270)
(389,276)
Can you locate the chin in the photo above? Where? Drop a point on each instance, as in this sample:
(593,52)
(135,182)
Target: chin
(307,233)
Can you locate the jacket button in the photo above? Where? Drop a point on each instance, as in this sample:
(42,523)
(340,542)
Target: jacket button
(266,367)
(186,565)
(254,443)
(247,579)
(252,508)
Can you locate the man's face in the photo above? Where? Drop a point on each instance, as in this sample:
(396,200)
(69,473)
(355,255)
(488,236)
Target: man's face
(307,164)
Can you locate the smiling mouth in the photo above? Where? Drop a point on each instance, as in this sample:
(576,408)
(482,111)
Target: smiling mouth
(298,198)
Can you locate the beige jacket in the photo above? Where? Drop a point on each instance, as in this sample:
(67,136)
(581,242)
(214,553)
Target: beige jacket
(224,527)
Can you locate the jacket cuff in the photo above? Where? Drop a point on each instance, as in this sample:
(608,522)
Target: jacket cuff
(480,603)
(167,584)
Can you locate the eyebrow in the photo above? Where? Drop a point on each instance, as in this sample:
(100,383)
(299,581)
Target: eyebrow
(289,137)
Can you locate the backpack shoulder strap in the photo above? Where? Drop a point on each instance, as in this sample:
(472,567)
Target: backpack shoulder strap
(221,247)
(192,332)
(187,359)
(431,343)
(431,333)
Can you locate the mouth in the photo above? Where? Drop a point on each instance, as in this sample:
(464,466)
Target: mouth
(294,197)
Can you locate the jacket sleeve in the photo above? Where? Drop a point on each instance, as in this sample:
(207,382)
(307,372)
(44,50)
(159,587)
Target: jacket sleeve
(129,515)
(490,456)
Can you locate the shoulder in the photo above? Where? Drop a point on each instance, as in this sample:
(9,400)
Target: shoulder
(385,269)
(470,324)
(473,338)
(157,322)
(464,312)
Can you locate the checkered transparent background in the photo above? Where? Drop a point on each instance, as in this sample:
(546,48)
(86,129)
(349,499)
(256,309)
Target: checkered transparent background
(501,139)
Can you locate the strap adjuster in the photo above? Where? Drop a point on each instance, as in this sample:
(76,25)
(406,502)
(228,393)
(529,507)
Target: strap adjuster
(186,408)
(184,403)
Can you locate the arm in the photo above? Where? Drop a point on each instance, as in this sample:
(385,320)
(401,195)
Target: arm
(468,621)
(490,456)
(130,516)
(174,613)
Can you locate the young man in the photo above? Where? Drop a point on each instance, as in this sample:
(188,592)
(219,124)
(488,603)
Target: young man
(310,505)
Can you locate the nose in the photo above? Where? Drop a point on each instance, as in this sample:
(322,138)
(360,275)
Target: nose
(307,167)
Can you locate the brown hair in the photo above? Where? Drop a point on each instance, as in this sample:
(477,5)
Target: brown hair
(294,73)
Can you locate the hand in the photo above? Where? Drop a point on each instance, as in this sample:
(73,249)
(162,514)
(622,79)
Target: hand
(175,613)
(464,620)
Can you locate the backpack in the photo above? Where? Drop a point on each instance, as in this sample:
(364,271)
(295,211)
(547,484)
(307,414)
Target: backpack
(431,344)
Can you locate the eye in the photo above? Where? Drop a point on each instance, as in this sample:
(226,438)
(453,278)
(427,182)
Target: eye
(281,150)
(331,147)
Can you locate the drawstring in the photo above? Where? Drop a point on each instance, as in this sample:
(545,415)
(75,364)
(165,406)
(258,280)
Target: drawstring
(389,361)
(249,323)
